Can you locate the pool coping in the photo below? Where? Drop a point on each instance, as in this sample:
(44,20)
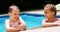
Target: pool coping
(33,12)
(39,12)
(40,29)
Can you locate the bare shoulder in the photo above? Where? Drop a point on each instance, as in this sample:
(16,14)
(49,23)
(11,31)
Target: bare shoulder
(7,20)
(44,20)
(22,21)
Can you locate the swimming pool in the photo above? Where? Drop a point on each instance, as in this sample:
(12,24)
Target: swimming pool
(31,20)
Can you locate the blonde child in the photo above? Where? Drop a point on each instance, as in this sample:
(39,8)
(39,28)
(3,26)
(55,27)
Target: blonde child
(50,13)
(15,23)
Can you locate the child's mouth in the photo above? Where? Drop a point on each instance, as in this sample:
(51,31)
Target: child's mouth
(16,18)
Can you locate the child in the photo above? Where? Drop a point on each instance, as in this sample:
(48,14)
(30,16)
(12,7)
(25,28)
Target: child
(15,23)
(50,13)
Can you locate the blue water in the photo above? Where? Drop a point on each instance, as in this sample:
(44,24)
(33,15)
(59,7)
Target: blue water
(31,21)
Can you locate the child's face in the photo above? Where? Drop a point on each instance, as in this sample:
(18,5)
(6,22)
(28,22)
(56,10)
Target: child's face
(14,14)
(48,14)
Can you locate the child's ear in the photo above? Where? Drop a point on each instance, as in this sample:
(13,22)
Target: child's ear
(53,13)
(9,13)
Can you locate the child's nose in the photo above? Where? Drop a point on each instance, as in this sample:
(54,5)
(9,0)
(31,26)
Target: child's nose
(17,16)
(45,14)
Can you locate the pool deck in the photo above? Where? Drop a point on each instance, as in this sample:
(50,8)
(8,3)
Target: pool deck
(38,12)
(40,29)
(48,29)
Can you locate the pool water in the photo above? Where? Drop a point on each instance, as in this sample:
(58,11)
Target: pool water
(31,21)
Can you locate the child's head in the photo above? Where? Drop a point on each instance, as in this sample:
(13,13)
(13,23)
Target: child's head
(49,11)
(14,12)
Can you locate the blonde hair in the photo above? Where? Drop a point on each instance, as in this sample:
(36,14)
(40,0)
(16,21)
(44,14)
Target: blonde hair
(51,7)
(11,7)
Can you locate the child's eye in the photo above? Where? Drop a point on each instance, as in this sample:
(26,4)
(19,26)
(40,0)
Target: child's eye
(18,14)
(15,14)
(46,12)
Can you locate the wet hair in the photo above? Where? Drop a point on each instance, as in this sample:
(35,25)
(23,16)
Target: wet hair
(11,7)
(51,7)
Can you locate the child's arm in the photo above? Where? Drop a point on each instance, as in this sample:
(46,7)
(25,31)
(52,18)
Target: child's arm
(22,25)
(8,26)
(44,24)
